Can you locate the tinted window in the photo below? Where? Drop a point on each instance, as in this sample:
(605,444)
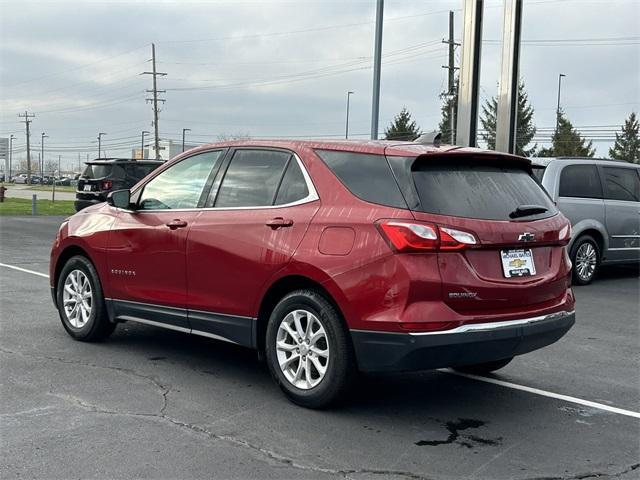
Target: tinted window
(538,172)
(97,171)
(477,190)
(293,186)
(580,181)
(367,176)
(138,172)
(181,185)
(252,178)
(622,184)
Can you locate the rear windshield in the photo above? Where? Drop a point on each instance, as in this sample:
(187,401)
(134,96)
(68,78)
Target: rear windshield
(120,171)
(482,190)
(96,171)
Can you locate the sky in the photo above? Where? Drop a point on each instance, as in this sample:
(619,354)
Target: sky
(283,68)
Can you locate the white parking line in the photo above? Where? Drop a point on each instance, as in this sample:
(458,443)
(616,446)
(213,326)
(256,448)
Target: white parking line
(13,267)
(494,381)
(544,393)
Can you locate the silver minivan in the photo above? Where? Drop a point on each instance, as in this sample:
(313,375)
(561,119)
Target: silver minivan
(601,198)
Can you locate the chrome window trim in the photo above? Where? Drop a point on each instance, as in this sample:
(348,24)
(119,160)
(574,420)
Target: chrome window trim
(311,197)
(484,327)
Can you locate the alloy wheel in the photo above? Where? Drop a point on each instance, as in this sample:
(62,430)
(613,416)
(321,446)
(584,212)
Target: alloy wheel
(586,260)
(77,298)
(302,349)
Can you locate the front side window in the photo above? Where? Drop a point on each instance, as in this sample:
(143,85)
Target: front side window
(580,181)
(252,178)
(181,185)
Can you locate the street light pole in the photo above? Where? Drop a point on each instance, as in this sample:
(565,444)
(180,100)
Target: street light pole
(144,132)
(346,129)
(183,131)
(100,143)
(10,155)
(377,60)
(42,137)
(558,107)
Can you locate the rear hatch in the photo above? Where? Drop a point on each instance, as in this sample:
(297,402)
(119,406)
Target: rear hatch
(518,259)
(95,178)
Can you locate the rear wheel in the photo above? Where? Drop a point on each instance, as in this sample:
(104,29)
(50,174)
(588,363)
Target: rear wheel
(482,368)
(585,256)
(81,303)
(308,350)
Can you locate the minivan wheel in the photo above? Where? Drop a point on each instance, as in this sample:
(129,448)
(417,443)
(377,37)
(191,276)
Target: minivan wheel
(308,350)
(81,303)
(585,256)
(482,368)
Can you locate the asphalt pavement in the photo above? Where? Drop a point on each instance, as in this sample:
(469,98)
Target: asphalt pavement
(151,403)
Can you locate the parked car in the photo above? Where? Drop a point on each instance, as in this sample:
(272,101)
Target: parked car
(329,257)
(63,181)
(22,178)
(601,198)
(102,176)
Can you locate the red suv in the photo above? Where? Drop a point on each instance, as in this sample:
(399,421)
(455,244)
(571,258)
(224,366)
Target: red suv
(328,257)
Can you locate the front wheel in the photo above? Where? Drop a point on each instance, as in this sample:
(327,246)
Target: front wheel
(585,256)
(81,303)
(308,350)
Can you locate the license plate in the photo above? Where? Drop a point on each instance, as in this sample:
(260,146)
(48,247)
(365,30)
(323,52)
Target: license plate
(517,263)
(87,188)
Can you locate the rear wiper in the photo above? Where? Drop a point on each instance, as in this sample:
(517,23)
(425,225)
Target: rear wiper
(526,210)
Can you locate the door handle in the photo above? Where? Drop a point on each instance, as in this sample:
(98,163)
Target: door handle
(177,223)
(279,222)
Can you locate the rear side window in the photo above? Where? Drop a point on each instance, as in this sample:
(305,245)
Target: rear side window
(138,172)
(252,179)
(293,186)
(580,181)
(622,184)
(489,191)
(367,176)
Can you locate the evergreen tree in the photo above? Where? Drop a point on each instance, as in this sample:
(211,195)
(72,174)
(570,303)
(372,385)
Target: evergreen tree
(526,129)
(402,127)
(567,142)
(627,145)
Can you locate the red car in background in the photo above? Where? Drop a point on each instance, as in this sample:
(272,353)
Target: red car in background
(329,257)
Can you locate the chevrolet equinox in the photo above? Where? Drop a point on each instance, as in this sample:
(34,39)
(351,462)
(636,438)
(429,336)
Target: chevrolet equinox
(328,257)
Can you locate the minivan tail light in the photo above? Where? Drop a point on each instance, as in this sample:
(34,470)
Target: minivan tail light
(424,237)
(106,185)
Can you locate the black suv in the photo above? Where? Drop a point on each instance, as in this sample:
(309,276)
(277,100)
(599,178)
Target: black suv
(104,175)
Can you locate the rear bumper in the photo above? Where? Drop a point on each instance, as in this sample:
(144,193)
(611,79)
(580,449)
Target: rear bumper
(466,345)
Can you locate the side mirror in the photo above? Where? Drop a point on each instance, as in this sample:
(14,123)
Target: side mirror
(120,199)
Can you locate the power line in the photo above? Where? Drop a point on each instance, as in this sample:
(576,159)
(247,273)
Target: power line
(155,74)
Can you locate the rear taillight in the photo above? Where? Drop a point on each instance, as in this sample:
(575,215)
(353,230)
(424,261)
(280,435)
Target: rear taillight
(564,235)
(424,237)
(106,185)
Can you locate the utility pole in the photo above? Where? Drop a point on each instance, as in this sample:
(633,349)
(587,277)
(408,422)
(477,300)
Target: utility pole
(183,131)
(377,60)
(558,107)
(144,132)
(79,163)
(346,128)
(10,155)
(100,143)
(26,121)
(154,73)
(451,93)
(42,137)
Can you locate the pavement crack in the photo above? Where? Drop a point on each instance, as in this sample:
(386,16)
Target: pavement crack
(588,475)
(162,388)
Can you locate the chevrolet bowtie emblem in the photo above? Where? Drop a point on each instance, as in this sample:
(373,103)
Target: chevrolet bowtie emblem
(526,237)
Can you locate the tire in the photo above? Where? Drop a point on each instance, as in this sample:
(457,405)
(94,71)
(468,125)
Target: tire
(313,388)
(585,257)
(482,368)
(89,321)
